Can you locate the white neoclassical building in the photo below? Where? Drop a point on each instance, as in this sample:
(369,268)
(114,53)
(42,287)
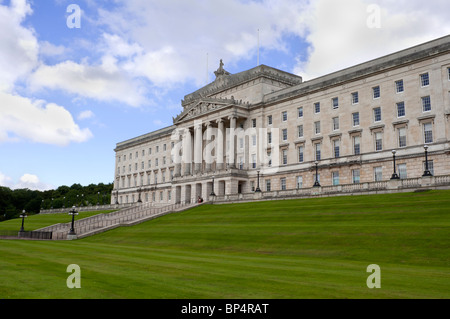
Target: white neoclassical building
(267,129)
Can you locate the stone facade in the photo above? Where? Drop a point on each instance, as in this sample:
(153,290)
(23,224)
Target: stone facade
(268,123)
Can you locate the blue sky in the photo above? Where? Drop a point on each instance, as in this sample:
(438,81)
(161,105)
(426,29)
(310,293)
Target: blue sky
(68,95)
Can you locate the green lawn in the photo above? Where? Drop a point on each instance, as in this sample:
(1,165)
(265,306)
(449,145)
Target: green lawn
(307,248)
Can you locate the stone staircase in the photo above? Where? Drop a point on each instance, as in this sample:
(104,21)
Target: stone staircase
(102,222)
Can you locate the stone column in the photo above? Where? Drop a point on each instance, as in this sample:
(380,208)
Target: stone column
(219,144)
(232,153)
(176,156)
(198,139)
(187,151)
(208,148)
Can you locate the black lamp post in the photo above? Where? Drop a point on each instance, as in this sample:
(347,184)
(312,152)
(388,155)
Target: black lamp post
(23,215)
(427,171)
(64,203)
(51,204)
(316,183)
(212,191)
(73,212)
(139,191)
(394,175)
(98,198)
(258,190)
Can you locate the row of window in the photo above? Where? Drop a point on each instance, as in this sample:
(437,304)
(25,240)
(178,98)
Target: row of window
(134,182)
(356,177)
(377,117)
(134,198)
(149,165)
(130,157)
(356,143)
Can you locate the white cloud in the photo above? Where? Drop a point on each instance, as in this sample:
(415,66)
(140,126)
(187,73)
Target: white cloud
(37,121)
(103,82)
(29,181)
(5,180)
(48,49)
(340,36)
(18,45)
(86,115)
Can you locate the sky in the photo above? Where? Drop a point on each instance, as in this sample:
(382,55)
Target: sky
(79,76)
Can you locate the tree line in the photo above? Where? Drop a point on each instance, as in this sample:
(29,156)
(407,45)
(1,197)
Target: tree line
(13,202)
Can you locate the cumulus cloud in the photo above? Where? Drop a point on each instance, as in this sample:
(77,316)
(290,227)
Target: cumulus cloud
(18,45)
(37,121)
(340,36)
(29,181)
(103,82)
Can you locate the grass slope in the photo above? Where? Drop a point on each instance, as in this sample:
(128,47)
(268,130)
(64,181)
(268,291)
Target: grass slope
(307,248)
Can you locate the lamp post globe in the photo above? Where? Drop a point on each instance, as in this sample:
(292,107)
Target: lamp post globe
(23,216)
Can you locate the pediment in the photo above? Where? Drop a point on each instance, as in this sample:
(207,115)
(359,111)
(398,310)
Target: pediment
(206,105)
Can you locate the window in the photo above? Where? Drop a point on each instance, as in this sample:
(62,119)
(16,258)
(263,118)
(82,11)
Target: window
(254,140)
(430,166)
(124,157)
(142,165)
(317,147)
(169,195)
(299,181)
(268,186)
(137,154)
(335,103)
(377,114)
(283,183)
(424,80)
(149,163)
(253,160)
(156,162)
(284,134)
(402,137)
(160,196)
(164,160)
(269,155)
(269,137)
(150,151)
(317,107)
(131,156)
(284,116)
(426,103)
(300,111)
(356,145)
(253,122)
(448,74)
(284,153)
(241,143)
(335,123)
(356,176)
(401,109)
(143,152)
(335,178)
(300,154)
(355,98)
(164,147)
(157,149)
(336,148)
(300,131)
(399,86)
(378,173)
(402,171)
(355,118)
(241,162)
(317,127)
(428,132)
(378,141)
(269,120)
(135,166)
(376,92)
(252,185)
